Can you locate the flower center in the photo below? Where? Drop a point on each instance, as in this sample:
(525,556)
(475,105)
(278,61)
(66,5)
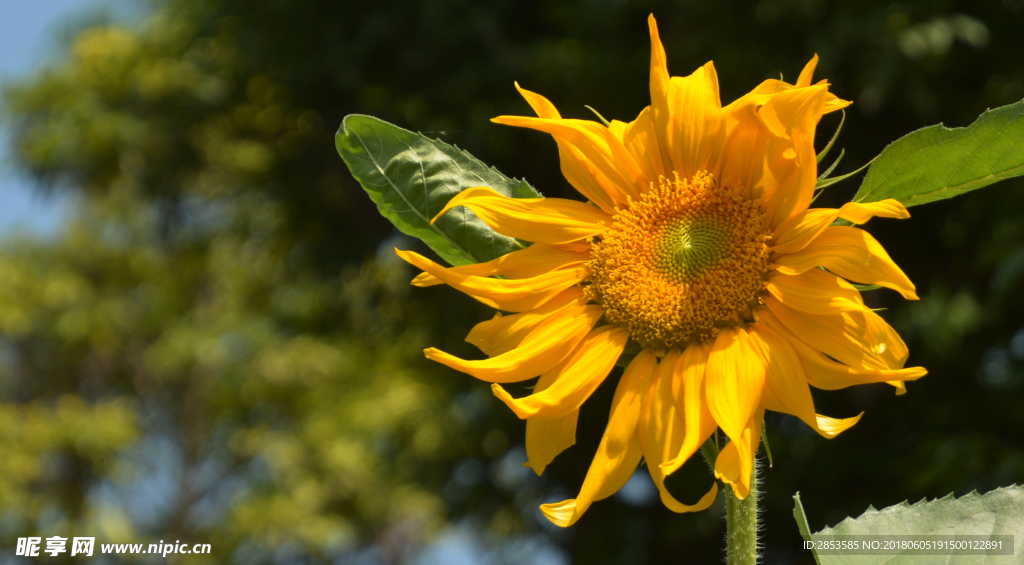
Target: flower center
(690,245)
(686,260)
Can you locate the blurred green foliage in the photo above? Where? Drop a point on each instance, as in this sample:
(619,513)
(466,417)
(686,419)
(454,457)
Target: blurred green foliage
(219,347)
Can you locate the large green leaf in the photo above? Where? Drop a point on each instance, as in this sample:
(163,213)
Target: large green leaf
(936,162)
(1000,512)
(411,177)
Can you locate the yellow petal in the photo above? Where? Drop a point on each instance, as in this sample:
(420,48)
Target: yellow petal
(815,292)
(661,432)
(604,156)
(749,143)
(511,295)
(831,427)
(792,115)
(734,384)
(545,439)
(695,135)
(523,264)
(583,176)
(543,348)
(807,74)
(851,253)
(859,339)
(689,396)
(757,159)
(734,381)
(659,85)
(687,113)
(826,374)
(541,220)
(619,452)
(832,103)
(640,138)
(801,229)
(577,377)
(735,462)
(504,333)
(787,389)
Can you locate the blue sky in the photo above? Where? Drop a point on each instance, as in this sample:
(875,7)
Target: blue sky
(28,36)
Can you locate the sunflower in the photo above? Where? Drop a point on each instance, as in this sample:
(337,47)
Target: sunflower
(696,243)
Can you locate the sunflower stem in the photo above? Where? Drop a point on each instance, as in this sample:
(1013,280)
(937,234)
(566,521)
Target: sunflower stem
(741,525)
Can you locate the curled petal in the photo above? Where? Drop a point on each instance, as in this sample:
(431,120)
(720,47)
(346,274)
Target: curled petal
(794,234)
(826,374)
(851,253)
(735,463)
(619,452)
(523,264)
(511,295)
(543,348)
(603,155)
(577,169)
(689,396)
(662,434)
(577,377)
(792,115)
(858,339)
(787,389)
(504,333)
(541,220)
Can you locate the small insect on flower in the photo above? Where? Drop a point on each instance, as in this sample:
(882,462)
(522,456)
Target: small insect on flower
(696,242)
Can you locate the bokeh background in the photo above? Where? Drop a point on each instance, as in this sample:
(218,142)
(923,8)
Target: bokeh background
(204,335)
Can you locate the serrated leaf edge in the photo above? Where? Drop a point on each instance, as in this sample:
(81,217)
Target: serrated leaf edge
(871,511)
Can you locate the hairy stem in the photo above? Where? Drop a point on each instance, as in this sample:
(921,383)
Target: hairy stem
(741,525)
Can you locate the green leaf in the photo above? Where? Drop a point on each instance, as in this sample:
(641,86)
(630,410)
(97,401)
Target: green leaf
(1000,512)
(411,177)
(936,162)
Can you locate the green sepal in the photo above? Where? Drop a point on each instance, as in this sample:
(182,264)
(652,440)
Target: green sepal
(832,141)
(831,167)
(767,448)
(599,116)
(710,450)
(822,183)
(631,350)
